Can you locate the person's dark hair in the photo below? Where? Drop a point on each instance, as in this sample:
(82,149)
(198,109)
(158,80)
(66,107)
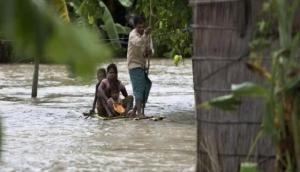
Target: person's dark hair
(138,20)
(114,84)
(101,70)
(112,66)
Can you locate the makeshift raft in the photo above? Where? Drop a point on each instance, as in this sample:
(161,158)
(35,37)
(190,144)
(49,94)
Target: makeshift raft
(94,115)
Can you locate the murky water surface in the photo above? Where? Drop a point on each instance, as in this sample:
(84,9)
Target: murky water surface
(50,134)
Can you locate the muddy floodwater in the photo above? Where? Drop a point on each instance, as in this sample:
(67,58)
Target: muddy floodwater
(49,133)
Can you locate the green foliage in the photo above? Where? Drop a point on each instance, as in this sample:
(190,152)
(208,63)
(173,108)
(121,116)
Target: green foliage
(248,89)
(292,85)
(249,167)
(281,95)
(126,3)
(62,9)
(170,25)
(37,32)
(109,26)
(228,102)
(122,29)
(95,10)
(232,101)
(177,59)
(82,55)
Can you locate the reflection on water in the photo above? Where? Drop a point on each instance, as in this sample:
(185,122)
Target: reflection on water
(49,133)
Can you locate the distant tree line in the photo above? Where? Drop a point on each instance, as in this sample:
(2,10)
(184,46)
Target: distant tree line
(113,20)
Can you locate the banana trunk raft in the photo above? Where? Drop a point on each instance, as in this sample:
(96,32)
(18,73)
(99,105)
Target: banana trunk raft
(94,115)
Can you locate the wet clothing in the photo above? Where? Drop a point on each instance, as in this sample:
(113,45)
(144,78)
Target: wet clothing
(135,51)
(100,107)
(141,84)
(136,62)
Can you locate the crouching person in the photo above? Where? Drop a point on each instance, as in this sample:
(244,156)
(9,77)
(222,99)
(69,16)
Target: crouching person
(117,106)
(109,92)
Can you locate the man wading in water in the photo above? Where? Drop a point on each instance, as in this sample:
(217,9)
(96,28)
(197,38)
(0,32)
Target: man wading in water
(137,52)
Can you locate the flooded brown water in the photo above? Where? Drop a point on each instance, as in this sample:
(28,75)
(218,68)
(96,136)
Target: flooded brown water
(49,133)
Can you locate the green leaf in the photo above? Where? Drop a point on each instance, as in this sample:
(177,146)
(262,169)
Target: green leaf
(248,89)
(249,167)
(295,45)
(109,26)
(122,29)
(78,47)
(37,32)
(268,119)
(96,9)
(90,8)
(126,3)
(28,24)
(292,85)
(74,3)
(62,9)
(170,27)
(176,59)
(227,102)
(91,19)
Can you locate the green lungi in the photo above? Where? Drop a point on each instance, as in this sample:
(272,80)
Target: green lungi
(141,84)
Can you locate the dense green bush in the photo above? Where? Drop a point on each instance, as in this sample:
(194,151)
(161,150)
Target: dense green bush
(170,21)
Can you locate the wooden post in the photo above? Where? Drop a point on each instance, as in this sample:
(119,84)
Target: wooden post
(35,77)
(222,33)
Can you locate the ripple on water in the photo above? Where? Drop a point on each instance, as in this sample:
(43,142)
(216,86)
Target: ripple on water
(49,133)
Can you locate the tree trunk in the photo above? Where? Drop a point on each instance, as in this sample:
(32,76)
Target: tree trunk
(5,51)
(35,77)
